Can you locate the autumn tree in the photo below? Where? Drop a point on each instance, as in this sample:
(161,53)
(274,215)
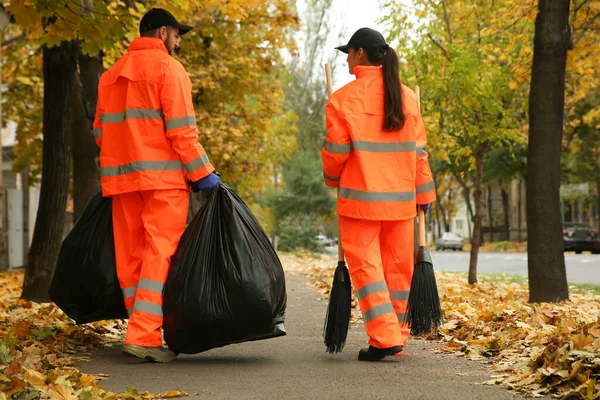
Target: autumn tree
(306,89)
(454,58)
(233,57)
(581,159)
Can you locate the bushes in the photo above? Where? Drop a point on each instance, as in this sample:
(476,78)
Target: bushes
(299,231)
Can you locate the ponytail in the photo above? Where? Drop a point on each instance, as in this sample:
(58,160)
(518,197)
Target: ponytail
(394,116)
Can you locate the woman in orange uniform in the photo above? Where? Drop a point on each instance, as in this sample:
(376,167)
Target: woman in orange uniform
(375,153)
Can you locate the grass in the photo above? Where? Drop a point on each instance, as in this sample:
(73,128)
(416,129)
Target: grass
(585,288)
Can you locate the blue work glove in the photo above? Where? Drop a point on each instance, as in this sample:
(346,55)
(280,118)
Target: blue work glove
(206,184)
(425,207)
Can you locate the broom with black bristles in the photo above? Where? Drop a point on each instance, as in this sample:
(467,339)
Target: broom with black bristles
(423,312)
(337,320)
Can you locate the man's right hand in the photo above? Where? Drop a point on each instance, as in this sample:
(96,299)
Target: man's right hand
(206,184)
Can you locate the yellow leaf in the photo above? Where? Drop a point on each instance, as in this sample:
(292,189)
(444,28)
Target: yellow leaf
(61,392)
(36,379)
(173,393)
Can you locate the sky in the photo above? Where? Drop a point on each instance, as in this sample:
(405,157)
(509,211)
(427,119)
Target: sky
(349,16)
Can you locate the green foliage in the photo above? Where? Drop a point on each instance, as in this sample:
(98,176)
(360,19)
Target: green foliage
(505,163)
(581,159)
(298,231)
(303,191)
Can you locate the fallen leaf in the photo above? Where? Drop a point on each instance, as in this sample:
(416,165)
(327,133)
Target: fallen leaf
(172,393)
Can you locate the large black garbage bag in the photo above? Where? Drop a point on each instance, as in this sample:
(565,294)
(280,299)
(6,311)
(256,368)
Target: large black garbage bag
(226,284)
(85,284)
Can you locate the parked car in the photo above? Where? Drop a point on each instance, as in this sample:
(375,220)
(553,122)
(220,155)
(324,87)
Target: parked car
(579,238)
(324,240)
(449,240)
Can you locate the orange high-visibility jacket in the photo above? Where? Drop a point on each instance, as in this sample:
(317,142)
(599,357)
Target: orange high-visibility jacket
(145,123)
(381,175)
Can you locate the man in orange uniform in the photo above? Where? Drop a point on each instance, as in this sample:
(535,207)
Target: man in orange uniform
(145,127)
(375,153)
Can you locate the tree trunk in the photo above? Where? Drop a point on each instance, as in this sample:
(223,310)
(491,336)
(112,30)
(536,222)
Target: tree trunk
(519,212)
(467,196)
(3,234)
(489,201)
(506,208)
(476,239)
(86,168)
(60,63)
(444,217)
(598,202)
(546,261)
(437,217)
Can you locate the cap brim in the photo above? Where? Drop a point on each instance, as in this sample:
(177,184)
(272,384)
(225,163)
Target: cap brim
(343,49)
(183,29)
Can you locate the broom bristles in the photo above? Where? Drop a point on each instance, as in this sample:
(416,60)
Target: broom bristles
(423,312)
(337,320)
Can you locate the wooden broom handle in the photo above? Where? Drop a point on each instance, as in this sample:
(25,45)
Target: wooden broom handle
(420,212)
(421,215)
(329,91)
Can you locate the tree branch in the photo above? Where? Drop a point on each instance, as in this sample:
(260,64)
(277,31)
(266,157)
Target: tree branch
(577,7)
(577,38)
(438,44)
(447,19)
(14,39)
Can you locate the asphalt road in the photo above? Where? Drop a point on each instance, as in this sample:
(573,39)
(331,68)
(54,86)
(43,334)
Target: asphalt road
(581,268)
(297,367)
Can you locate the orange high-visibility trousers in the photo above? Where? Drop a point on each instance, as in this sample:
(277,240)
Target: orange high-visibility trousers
(380,256)
(147,228)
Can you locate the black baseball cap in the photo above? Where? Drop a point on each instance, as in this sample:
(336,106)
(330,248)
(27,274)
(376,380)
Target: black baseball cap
(365,38)
(158,17)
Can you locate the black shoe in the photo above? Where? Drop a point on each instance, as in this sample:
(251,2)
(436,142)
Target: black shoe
(376,354)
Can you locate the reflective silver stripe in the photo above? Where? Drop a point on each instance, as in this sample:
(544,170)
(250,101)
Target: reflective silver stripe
(129,311)
(399,294)
(421,151)
(139,166)
(197,163)
(97,133)
(376,197)
(336,147)
(180,122)
(401,317)
(371,288)
(147,307)
(426,187)
(152,285)
(378,311)
(379,147)
(129,291)
(330,178)
(132,113)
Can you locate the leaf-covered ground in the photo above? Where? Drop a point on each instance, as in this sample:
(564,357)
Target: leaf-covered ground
(39,347)
(539,350)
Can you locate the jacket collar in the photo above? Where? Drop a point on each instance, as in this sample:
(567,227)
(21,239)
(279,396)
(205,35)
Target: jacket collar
(146,43)
(366,70)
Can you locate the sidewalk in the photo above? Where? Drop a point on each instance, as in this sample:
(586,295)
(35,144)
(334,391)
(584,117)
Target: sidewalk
(296,366)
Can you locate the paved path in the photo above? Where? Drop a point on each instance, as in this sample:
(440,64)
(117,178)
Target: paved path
(297,367)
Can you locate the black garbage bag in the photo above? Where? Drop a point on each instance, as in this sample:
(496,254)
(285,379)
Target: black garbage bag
(226,284)
(85,284)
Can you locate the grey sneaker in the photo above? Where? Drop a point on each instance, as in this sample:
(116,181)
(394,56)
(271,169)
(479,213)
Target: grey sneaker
(156,354)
